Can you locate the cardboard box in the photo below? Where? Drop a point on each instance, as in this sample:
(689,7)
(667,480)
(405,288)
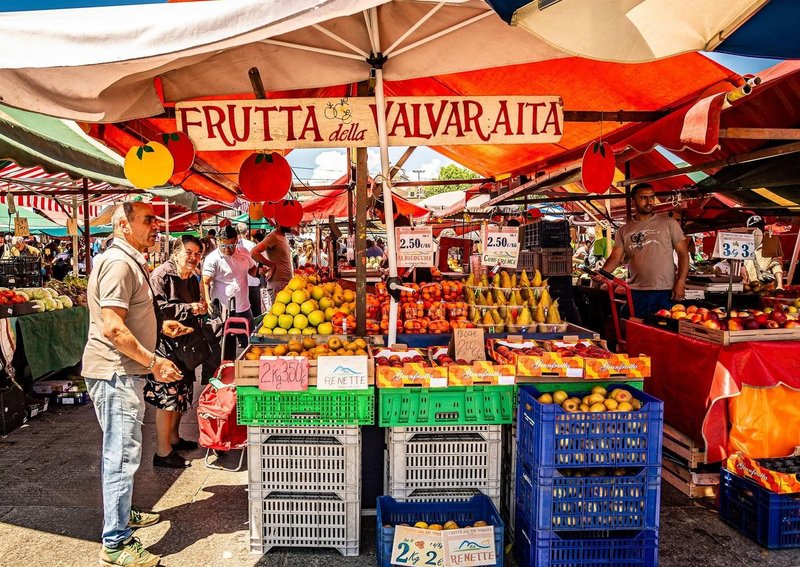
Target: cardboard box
(478,373)
(47,387)
(548,364)
(598,368)
(778,482)
(410,374)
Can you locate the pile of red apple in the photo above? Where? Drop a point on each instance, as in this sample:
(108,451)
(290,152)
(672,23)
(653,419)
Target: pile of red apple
(396,361)
(510,353)
(744,319)
(582,349)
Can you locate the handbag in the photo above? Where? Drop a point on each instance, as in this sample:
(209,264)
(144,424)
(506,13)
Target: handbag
(190,350)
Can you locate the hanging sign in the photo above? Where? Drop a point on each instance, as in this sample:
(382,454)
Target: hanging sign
(500,247)
(21,227)
(72,227)
(414,246)
(342,373)
(283,373)
(352,122)
(735,246)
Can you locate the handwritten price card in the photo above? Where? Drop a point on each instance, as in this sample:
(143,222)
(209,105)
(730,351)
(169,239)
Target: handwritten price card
(735,246)
(283,373)
(469,344)
(413,546)
(414,246)
(500,247)
(469,547)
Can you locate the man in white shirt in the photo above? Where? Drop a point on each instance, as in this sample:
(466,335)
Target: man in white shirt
(253,283)
(225,272)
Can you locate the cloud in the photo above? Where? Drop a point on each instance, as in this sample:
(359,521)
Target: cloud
(329,166)
(374,161)
(430,170)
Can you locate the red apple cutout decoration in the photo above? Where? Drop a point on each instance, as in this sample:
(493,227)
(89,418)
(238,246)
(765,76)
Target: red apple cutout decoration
(288,213)
(265,177)
(597,167)
(181,148)
(149,165)
(268,210)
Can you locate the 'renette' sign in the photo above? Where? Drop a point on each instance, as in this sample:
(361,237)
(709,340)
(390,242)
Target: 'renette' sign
(352,122)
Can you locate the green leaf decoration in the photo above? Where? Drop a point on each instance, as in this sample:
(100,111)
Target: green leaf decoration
(268,157)
(259,157)
(140,152)
(165,138)
(602,150)
(596,147)
(175,137)
(148,149)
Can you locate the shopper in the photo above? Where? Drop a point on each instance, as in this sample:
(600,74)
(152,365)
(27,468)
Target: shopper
(253,283)
(646,244)
(274,253)
(19,248)
(225,273)
(762,268)
(177,294)
(119,354)
(374,251)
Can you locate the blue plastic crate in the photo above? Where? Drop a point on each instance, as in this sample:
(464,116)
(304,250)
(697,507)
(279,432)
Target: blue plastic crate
(548,436)
(549,500)
(773,520)
(568,549)
(391,512)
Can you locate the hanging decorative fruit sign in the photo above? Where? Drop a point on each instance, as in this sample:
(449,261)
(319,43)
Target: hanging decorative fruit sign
(288,213)
(268,211)
(181,148)
(265,177)
(256,211)
(597,167)
(149,165)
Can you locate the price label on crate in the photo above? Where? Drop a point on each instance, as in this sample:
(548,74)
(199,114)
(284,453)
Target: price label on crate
(469,547)
(735,246)
(469,344)
(500,247)
(283,373)
(413,546)
(414,246)
(342,373)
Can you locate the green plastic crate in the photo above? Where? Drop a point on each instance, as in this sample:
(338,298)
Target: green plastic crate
(454,405)
(312,407)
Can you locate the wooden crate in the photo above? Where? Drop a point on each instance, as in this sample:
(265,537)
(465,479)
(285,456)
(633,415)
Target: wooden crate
(246,371)
(720,337)
(684,466)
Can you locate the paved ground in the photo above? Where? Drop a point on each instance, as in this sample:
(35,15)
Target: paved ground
(50,510)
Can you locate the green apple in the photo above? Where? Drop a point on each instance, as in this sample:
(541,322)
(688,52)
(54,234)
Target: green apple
(325,329)
(294,331)
(308,306)
(317,292)
(285,321)
(279,331)
(299,296)
(271,320)
(315,318)
(283,297)
(310,331)
(325,302)
(292,309)
(300,321)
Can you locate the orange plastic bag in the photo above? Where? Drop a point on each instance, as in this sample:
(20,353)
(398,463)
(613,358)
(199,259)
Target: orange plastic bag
(765,422)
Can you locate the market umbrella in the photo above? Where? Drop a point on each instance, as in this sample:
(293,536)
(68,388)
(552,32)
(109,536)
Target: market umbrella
(643,30)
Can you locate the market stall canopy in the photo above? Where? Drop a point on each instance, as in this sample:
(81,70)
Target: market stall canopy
(644,30)
(36,222)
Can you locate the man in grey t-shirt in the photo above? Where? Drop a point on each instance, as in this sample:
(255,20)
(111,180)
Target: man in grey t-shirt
(647,244)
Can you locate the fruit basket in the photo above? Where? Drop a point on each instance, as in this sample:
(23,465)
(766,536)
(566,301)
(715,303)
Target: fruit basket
(391,513)
(549,436)
(454,405)
(312,407)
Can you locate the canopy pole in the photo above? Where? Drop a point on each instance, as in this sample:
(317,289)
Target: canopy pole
(793,263)
(166,226)
(75,247)
(362,171)
(87,232)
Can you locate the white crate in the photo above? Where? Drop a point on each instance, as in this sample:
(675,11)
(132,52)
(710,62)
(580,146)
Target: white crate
(432,459)
(345,435)
(305,467)
(444,495)
(302,520)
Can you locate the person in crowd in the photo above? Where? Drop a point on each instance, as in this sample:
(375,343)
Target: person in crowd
(381,244)
(274,253)
(119,354)
(19,248)
(259,235)
(308,254)
(225,272)
(646,244)
(373,250)
(762,268)
(379,213)
(253,283)
(177,294)
(295,255)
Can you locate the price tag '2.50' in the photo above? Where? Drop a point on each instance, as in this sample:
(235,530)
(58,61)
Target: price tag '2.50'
(414,246)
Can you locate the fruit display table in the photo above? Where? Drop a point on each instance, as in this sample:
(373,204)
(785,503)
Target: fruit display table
(695,378)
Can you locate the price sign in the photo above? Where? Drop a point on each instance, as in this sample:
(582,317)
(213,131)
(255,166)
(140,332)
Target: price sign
(469,344)
(342,373)
(283,373)
(413,546)
(414,246)
(469,547)
(500,247)
(21,227)
(735,246)
(72,227)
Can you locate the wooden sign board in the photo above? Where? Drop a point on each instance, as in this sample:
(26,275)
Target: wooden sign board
(342,373)
(72,227)
(21,227)
(283,373)
(469,344)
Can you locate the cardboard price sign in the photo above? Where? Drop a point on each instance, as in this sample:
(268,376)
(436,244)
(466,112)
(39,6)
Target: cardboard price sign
(735,246)
(414,246)
(413,546)
(72,227)
(500,247)
(21,227)
(283,373)
(342,373)
(469,344)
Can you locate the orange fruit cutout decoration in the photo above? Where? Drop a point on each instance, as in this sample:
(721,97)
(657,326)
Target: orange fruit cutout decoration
(256,211)
(148,166)
(288,213)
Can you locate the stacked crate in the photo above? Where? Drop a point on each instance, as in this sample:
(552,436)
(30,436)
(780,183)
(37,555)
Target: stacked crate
(443,463)
(588,485)
(508,475)
(546,246)
(304,487)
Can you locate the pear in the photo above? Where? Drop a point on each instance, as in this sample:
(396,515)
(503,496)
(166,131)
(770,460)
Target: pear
(469,294)
(503,311)
(545,300)
(532,301)
(484,281)
(499,297)
(553,316)
(514,280)
(470,280)
(471,312)
(523,280)
(513,302)
(481,300)
(496,317)
(537,279)
(487,318)
(505,281)
(476,317)
(518,297)
(524,317)
(539,317)
(496,280)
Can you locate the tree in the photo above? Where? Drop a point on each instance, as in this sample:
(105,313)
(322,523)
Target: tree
(451,171)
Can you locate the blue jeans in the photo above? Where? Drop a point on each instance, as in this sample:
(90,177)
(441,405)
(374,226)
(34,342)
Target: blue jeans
(647,302)
(119,404)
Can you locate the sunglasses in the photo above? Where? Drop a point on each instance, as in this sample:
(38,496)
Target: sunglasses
(228,246)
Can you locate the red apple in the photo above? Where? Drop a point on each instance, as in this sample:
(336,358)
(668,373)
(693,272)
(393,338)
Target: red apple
(691,309)
(735,324)
(712,316)
(790,324)
(662,313)
(696,318)
(712,324)
(751,324)
(761,319)
(779,317)
(773,325)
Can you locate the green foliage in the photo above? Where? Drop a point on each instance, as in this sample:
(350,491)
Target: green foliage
(451,171)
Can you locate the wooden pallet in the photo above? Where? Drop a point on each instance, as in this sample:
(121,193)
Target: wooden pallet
(720,337)
(684,466)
